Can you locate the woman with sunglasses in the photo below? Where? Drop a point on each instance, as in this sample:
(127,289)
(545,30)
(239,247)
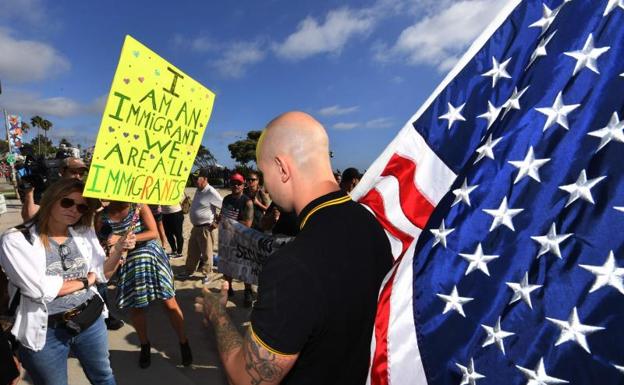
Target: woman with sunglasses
(54,260)
(145,275)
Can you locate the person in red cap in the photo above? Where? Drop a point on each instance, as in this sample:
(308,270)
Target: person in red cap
(239,207)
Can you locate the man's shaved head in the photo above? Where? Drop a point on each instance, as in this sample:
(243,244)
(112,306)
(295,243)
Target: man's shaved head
(293,151)
(295,134)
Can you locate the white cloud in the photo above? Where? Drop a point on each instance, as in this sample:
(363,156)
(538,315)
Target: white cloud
(345,126)
(238,57)
(28,60)
(439,39)
(199,44)
(336,110)
(28,104)
(31,11)
(379,123)
(371,124)
(312,37)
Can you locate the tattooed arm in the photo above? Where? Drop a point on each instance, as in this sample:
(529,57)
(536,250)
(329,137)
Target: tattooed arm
(248,214)
(246,360)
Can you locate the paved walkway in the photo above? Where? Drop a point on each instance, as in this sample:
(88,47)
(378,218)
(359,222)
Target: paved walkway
(166,367)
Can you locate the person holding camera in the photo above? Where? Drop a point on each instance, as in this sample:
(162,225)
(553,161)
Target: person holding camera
(53,262)
(72,168)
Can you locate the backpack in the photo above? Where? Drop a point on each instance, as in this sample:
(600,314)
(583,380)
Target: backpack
(7,313)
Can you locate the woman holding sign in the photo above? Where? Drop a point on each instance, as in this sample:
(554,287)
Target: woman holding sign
(145,275)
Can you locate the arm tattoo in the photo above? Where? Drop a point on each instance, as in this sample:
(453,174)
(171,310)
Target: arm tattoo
(248,212)
(228,338)
(261,364)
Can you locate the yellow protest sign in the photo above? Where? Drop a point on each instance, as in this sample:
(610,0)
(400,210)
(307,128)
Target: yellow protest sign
(151,129)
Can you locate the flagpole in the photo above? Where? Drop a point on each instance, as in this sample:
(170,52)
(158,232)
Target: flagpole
(13,175)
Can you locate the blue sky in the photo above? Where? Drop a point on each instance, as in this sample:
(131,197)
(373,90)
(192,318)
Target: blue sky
(361,67)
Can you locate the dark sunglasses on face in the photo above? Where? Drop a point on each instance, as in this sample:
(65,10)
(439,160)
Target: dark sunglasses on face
(253,179)
(67,203)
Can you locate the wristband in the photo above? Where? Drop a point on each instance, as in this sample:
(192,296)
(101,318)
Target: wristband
(85,283)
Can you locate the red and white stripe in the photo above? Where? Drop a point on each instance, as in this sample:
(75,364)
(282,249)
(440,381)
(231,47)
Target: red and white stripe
(402,188)
(408,183)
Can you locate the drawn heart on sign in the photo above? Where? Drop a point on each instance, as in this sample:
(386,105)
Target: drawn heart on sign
(126,80)
(188,153)
(157,72)
(152,156)
(135,53)
(192,89)
(125,134)
(136,136)
(141,78)
(111,129)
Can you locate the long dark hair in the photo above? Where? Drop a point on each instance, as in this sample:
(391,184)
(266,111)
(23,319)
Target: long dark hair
(54,193)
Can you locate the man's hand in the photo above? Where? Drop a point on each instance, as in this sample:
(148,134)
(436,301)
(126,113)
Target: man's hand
(113,239)
(211,303)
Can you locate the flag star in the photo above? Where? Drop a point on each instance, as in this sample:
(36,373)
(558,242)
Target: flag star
(548,17)
(581,188)
(453,114)
(495,335)
(539,375)
(619,208)
(587,56)
(522,290)
(574,330)
(513,103)
(558,113)
(454,302)
(503,215)
(613,131)
(491,115)
(487,150)
(550,242)
(618,367)
(608,274)
(440,234)
(498,71)
(469,375)
(612,5)
(529,166)
(540,50)
(462,194)
(478,260)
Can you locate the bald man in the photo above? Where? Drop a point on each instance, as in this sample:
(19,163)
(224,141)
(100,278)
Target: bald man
(317,296)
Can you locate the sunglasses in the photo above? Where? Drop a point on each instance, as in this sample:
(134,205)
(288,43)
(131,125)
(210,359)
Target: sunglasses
(67,203)
(253,179)
(64,253)
(236,184)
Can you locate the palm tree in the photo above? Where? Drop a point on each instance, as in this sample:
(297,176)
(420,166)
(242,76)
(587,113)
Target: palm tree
(47,125)
(37,121)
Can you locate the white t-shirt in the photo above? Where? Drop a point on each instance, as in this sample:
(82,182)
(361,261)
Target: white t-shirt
(203,206)
(170,209)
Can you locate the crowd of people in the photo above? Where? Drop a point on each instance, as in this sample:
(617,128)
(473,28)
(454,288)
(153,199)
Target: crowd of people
(59,262)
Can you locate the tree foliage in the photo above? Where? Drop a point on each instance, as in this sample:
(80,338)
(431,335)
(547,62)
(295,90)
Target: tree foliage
(43,145)
(204,158)
(244,150)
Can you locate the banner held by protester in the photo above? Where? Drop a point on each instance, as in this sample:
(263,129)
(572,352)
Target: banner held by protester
(151,129)
(243,250)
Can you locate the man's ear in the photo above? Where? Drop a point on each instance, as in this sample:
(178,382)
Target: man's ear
(283,168)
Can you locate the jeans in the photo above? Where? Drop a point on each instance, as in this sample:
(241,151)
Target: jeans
(49,365)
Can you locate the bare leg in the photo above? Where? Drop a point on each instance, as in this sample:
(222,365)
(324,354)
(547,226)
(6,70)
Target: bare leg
(175,317)
(137,316)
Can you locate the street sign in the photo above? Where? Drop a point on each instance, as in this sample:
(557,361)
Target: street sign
(10,158)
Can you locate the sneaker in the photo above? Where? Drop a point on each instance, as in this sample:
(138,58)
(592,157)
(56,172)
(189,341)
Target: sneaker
(113,323)
(177,255)
(145,357)
(185,352)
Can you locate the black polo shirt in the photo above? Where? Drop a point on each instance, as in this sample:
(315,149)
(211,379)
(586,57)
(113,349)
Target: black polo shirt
(317,295)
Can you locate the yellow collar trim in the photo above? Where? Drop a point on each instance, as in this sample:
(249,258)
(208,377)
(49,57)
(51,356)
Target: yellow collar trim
(332,202)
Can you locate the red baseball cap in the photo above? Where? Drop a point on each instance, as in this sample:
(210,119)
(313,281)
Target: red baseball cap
(237,178)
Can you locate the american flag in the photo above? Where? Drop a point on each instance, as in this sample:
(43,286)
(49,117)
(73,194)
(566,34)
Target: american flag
(503,198)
